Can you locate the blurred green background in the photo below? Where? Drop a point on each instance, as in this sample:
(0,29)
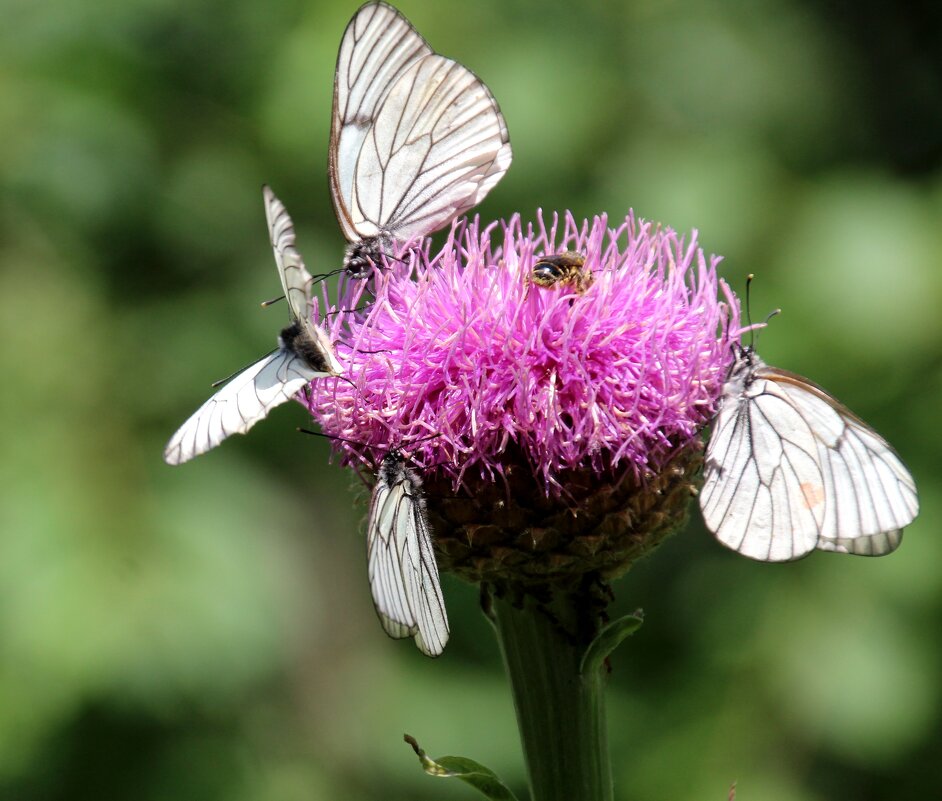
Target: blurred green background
(206,632)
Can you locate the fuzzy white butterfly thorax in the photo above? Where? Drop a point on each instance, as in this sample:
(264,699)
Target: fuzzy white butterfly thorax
(304,353)
(416,138)
(789,469)
(403,572)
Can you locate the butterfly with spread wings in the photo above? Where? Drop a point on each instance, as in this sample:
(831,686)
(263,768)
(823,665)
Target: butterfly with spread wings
(789,469)
(416,138)
(304,352)
(403,572)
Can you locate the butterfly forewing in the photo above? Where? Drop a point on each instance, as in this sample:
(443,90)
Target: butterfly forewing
(416,138)
(403,572)
(296,282)
(295,279)
(389,594)
(240,404)
(378,45)
(788,469)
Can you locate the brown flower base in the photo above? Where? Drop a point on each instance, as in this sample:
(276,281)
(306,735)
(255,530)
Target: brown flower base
(512,533)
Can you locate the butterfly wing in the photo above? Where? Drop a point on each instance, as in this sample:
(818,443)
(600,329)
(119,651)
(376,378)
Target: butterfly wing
(403,572)
(240,404)
(871,495)
(436,148)
(425,145)
(378,46)
(295,279)
(788,469)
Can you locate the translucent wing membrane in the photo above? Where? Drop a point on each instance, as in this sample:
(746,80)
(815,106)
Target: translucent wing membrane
(240,404)
(416,138)
(403,572)
(789,469)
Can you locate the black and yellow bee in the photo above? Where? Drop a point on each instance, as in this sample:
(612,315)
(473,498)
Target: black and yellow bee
(563,269)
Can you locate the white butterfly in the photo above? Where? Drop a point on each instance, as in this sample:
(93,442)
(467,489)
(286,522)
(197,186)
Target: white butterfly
(789,469)
(304,352)
(416,138)
(403,572)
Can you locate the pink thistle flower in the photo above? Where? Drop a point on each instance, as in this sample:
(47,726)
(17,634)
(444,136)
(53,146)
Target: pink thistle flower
(545,393)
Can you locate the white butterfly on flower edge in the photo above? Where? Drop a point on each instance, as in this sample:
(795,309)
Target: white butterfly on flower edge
(789,469)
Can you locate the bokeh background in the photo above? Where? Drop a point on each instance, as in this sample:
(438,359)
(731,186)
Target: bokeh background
(206,632)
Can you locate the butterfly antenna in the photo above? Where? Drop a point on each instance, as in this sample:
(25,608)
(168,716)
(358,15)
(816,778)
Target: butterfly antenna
(332,436)
(411,457)
(353,441)
(765,322)
(753,336)
(266,303)
(345,311)
(752,333)
(393,257)
(359,350)
(325,276)
(430,436)
(229,377)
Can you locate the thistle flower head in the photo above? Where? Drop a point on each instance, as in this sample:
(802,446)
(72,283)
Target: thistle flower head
(500,386)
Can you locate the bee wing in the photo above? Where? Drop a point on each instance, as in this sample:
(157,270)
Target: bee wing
(424,144)
(789,469)
(295,279)
(240,404)
(403,572)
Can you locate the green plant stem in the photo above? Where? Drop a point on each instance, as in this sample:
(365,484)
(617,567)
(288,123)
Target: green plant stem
(560,713)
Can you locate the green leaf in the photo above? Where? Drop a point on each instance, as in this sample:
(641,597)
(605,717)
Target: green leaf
(473,773)
(607,640)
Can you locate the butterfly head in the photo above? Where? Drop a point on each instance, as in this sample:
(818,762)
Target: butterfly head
(397,456)
(744,354)
(393,458)
(361,258)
